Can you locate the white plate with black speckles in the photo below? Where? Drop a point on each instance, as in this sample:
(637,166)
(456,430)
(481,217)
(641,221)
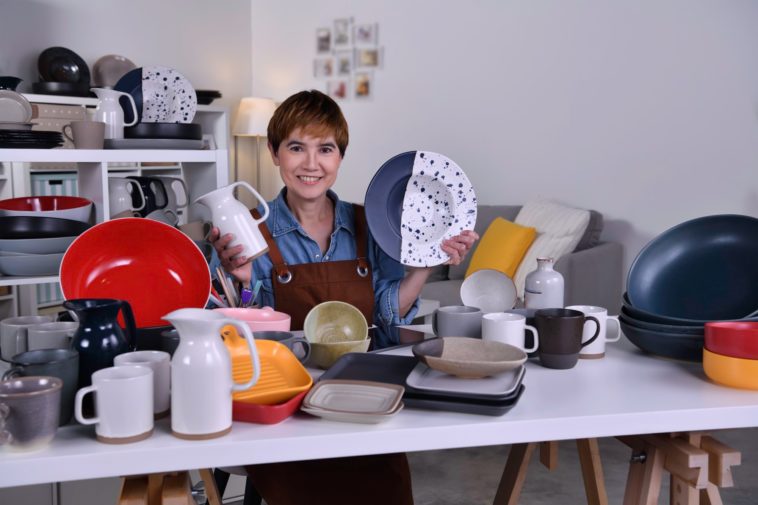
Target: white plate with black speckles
(439,203)
(167,96)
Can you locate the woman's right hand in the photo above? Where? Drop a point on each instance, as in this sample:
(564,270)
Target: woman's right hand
(235,265)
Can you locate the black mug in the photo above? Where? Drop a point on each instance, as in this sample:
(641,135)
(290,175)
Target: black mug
(561,336)
(155,194)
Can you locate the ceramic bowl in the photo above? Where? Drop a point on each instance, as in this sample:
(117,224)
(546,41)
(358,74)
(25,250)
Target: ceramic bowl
(324,355)
(62,207)
(36,245)
(668,345)
(264,319)
(489,290)
(470,358)
(27,227)
(643,315)
(729,371)
(29,264)
(737,339)
(696,329)
(332,322)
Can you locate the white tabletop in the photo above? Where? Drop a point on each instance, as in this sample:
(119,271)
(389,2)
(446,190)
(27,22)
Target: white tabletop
(624,393)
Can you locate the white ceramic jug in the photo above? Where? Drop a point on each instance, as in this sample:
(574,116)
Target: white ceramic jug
(201,374)
(230,215)
(109,111)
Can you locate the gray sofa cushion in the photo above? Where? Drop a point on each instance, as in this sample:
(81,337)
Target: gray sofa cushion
(591,236)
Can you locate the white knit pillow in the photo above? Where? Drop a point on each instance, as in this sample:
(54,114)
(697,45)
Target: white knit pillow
(559,229)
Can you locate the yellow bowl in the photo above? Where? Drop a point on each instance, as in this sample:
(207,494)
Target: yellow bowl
(332,322)
(728,371)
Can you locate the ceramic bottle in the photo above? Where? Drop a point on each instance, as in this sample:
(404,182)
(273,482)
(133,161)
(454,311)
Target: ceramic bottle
(543,288)
(201,374)
(109,111)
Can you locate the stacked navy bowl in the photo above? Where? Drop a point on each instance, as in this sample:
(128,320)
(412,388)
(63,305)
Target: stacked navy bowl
(699,271)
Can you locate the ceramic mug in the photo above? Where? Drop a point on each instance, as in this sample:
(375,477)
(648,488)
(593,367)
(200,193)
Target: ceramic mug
(123,404)
(60,363)
(55,335)
(155,195)
(85,134)
(124,195)
(29,410)
(160,363)
(196,230)
(165,216)
(14,334)
(596,349)
(176,191)
(509,329)
(299,346)
(457,321)
(561,332)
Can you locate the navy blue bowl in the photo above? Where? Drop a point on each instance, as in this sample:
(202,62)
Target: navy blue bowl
(666,345)
(642,315)
(696,329)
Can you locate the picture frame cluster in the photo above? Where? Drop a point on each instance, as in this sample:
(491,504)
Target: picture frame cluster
(347,54)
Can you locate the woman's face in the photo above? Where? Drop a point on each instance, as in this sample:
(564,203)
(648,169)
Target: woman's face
(308,165)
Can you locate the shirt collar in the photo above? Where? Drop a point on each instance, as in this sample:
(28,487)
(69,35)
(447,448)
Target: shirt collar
(281,220)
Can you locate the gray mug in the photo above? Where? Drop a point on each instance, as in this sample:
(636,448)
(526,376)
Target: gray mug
(299,346)
(29,410)
(55,335)
(457,321)
(13,334)
(60,363)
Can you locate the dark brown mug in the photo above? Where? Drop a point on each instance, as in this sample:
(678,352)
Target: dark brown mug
(561,336)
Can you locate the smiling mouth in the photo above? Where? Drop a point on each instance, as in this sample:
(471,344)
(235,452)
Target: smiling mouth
(308,179)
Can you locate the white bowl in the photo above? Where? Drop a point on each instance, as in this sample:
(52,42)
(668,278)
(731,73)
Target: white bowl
(30,264)
(36,245)
(489,290)
(62,207)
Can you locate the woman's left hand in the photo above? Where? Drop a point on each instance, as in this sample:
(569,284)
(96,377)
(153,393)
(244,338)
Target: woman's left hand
(457,247)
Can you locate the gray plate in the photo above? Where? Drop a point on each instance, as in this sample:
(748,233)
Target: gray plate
(30,264)
(14,107)
(424,378)
(153,144)
(36,245)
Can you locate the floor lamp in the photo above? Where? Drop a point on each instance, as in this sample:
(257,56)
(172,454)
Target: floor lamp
(252,120)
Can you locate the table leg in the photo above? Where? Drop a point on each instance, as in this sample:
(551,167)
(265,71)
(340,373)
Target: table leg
(643,483)
(682,492)
(133,491)
(592,471)
(514,474)
(176,489)
(710,495)
(211,491)
(549,454)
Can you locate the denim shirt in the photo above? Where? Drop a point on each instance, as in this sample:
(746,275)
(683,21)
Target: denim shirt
(297,247)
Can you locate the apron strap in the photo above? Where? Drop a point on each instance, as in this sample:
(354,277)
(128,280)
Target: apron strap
(361,239)
(282,272)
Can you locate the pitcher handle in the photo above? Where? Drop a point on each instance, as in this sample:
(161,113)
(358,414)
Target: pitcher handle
(134,109)
(141,193)
(257,195)
(131,326)
(244,330)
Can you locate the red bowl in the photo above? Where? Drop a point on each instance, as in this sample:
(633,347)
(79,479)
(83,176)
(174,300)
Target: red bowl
(63,207)
(153,266)
(266,414)
(738,339)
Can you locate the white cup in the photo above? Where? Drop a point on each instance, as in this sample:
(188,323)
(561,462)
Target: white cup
(508,328)
(160,363)
(123,404)
(165,216)
(14,332)
(120,197)
(55,335)
(174,201)
(597,348)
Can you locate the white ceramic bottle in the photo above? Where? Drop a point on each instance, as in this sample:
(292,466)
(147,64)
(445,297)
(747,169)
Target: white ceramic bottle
(543,288)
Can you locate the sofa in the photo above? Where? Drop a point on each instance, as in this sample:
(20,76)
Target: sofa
(592,272)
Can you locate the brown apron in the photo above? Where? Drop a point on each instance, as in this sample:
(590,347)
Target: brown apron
(367,480)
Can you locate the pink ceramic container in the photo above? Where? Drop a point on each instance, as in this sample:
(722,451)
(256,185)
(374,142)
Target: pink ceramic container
(265,319)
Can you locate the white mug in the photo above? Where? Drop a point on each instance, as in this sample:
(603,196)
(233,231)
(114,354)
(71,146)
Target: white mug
(14,334)
(120,197)
(508,328)
(597,348)
(174,202)
(123,404)
(165,216)
(55,335)
(160,363)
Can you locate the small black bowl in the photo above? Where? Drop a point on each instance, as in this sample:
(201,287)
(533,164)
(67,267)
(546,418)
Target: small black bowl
(9,82)
(24,227)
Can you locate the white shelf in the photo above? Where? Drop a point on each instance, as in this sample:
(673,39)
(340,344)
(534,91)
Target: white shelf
(7,297)
(108,155)
(92,102)
(20,281)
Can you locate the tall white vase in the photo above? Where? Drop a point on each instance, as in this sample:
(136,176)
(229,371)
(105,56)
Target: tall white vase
(543,288)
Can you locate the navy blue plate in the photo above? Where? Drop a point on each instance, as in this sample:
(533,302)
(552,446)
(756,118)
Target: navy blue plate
(705,269)
(384,202)
(131,83)
(667,345)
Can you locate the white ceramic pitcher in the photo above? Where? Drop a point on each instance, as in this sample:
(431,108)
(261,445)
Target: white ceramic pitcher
(230,215)
(109,111)
(201,374)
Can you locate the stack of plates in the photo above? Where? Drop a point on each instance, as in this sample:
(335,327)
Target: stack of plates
(206,96)
(353,401)
(23,139)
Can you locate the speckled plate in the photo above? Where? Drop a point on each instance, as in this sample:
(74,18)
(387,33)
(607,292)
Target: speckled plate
(162,95)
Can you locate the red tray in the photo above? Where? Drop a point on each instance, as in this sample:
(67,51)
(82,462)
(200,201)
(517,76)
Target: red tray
(266,414)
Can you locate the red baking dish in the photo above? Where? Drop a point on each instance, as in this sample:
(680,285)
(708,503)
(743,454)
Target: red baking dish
(266,414)
(738,339)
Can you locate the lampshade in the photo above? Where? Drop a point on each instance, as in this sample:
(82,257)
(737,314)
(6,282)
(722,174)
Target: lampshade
(253,116)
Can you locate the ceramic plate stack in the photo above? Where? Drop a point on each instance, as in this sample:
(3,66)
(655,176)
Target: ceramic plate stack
(354,401)
(16,127)
(699,271)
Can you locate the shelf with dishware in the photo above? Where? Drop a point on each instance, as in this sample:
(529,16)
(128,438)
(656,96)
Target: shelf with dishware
(111,155)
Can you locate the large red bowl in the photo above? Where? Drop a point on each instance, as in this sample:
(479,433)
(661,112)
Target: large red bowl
(63,207)
(738,339)
(153,266)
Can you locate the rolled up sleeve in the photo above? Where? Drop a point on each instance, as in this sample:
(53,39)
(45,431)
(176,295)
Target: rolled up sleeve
(387,274)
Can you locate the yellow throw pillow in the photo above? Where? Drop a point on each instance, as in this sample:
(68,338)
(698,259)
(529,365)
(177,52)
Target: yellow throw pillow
(502,247)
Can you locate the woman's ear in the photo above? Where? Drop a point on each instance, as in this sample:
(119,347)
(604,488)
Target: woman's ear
(274,156)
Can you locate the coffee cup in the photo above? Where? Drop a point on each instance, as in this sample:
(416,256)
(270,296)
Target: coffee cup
(509,329)
(155,195)
(165,216)
(60,363)
(196,230)
(124,195)
(596,349)
(299,345)
(457,321)
(123,404)
(29,410)
(160,363)
(85,134)
(176,191)
(14,334)
(55,335)
(561,332)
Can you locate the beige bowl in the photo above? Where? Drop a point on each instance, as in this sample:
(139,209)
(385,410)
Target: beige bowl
(470,358)
(324,355)
(332,322)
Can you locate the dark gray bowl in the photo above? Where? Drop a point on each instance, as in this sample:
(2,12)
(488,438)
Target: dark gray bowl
(667,345)
(667,328)
(643,315)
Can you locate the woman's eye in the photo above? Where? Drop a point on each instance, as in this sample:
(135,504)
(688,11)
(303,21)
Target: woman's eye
(296,149)
(327,150)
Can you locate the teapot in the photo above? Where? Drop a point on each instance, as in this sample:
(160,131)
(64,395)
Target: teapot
(109,111)
(230,215)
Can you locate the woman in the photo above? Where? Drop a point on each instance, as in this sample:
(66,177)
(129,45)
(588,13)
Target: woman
(320,249)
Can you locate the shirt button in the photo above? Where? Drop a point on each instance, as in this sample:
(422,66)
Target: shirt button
(318,256)
(326,257)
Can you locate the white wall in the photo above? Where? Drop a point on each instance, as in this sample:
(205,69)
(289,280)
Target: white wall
(645,111)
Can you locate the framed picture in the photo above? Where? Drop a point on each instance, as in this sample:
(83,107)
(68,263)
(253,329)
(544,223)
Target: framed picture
(366,35)
(364,85)
(323,67)
(368,58)
(343,62)
(338,89)
(342,33)
(323,40)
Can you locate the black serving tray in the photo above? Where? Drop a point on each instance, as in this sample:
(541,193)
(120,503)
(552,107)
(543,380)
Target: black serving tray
(395,369)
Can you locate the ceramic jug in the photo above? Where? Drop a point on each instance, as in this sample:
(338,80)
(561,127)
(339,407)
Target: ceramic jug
(99,338)
(109,111)
(201,374)
(230,215)
(543,288)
